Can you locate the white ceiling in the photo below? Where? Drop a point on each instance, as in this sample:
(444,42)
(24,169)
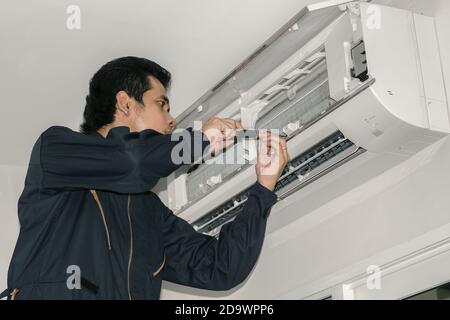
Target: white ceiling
(45,68)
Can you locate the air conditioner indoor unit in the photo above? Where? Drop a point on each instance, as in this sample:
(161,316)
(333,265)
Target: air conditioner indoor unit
(357,87)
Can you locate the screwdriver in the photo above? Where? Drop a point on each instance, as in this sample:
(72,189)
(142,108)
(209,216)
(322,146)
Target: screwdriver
(251,134)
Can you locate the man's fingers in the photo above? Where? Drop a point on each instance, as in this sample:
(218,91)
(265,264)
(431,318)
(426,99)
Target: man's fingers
(228,132)
(264,135)
(271,147)
(283,145)
(275,147)
(229,123)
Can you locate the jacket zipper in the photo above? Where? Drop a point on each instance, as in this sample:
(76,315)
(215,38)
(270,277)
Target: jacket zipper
(14,293)
(160,267)
(96,198)
(130,259)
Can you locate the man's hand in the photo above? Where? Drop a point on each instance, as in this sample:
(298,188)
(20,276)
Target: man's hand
(272,158)
(221,133)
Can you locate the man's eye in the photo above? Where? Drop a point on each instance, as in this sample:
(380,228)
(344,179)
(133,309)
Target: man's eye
(162,103)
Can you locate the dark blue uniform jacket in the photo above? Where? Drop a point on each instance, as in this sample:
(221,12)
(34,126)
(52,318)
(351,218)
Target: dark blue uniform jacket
(87,209)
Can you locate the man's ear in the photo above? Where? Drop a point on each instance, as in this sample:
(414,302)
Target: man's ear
(123,103)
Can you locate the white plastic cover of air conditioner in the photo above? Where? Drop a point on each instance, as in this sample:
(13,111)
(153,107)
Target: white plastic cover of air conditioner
(397,110)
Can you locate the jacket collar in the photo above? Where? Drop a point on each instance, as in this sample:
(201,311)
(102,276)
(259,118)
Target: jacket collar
(123,131)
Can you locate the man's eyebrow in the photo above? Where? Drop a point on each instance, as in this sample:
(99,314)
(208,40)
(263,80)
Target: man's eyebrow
(165,98)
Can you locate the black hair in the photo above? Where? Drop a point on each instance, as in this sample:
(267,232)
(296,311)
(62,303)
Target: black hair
(129,74)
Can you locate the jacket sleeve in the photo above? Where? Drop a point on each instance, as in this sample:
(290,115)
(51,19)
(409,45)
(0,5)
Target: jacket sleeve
(202,261)
(124,162)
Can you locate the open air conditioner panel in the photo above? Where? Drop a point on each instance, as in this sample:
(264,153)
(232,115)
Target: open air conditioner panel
(304,100)
(325,80)
(275,52)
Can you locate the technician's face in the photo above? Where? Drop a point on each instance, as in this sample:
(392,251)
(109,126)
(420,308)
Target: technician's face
(154,112)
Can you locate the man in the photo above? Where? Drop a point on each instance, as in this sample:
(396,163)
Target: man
(87,210)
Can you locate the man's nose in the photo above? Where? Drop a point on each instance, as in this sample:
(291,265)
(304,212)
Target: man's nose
(172,122)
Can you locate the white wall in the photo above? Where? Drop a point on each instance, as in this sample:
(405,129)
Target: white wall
(395,214)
